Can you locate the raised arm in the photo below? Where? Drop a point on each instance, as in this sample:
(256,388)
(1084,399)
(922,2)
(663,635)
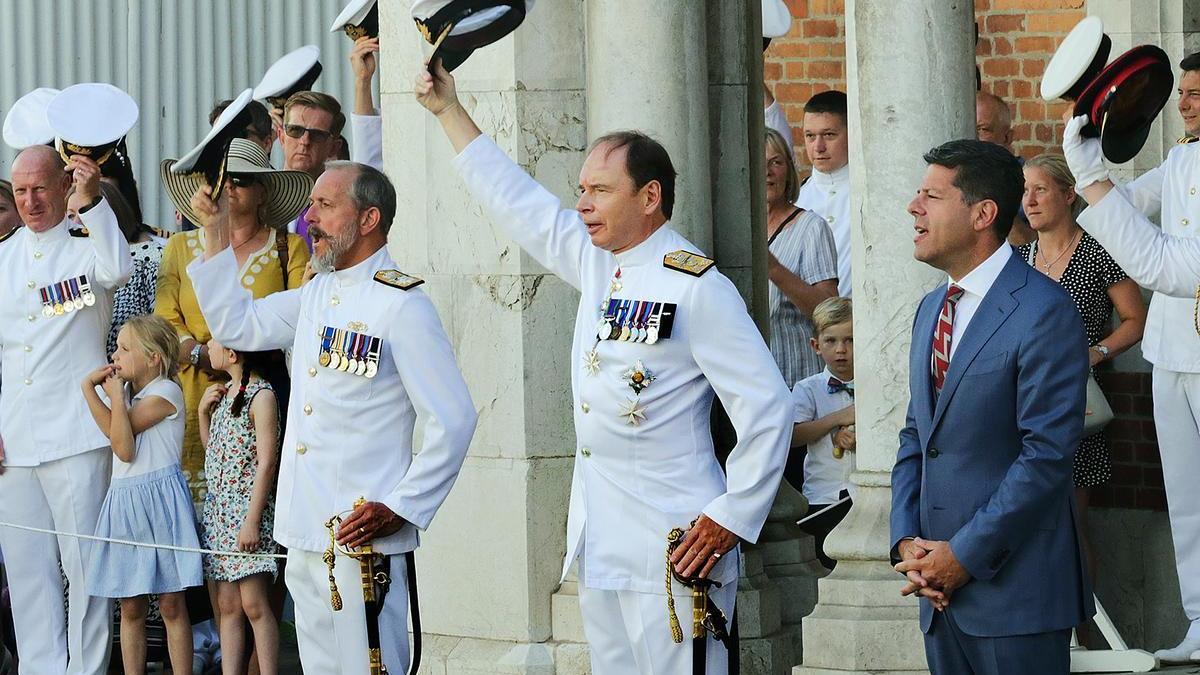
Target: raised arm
(366,124)
(528,212)
(113,262)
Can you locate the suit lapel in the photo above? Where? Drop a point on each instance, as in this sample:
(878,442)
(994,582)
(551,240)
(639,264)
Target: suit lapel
(923,331)
(992,312)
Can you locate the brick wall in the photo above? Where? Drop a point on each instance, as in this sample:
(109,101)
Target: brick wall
(1016,40)
(1137,480)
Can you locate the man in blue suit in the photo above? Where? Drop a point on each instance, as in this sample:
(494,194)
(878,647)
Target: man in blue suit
(982,522)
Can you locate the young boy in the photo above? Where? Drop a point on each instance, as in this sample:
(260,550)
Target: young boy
(825,422)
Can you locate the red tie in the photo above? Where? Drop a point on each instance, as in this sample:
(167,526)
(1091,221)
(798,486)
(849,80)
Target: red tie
(942,335)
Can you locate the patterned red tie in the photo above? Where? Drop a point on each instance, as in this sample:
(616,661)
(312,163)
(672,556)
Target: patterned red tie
(942,335)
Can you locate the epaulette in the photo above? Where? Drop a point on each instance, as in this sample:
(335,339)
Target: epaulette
(1184,140)
(397,279)
(688,262)
(78,231)
(10,234)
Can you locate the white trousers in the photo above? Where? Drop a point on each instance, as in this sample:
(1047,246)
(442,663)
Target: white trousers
(335,643)
(63,495)
(628,632)
(1177,419)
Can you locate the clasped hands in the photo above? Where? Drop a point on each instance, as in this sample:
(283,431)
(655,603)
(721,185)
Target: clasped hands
(931,569)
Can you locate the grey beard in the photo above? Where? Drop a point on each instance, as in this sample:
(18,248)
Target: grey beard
(336,247)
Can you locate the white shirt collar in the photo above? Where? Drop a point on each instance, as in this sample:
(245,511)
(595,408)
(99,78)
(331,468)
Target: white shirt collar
(834,178)
(979,280)
(646,252)
(56,233)
(362,271)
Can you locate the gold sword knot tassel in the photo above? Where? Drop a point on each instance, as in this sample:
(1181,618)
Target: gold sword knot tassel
(329,557)
(673,537)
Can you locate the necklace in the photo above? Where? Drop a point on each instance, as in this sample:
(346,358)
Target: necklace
(249,239)
(1047,264)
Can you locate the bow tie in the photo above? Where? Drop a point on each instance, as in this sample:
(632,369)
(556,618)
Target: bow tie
(836,385)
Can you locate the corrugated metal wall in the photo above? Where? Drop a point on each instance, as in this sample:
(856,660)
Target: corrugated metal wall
(175,57)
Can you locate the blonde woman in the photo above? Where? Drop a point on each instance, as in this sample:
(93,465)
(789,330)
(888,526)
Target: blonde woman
(1070,256)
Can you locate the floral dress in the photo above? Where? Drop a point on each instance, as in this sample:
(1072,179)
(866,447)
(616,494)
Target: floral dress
(230,464)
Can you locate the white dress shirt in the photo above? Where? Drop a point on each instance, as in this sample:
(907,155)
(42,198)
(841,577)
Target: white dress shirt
(633,483)
(975,285)
(349,436)
(825,476)
(1170,340)
(828,195)
(43,415)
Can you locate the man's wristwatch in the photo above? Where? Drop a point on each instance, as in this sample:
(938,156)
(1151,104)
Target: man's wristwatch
(1102,349)
(194,356)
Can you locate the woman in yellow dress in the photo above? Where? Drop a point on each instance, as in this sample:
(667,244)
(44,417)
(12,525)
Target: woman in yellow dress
(261,202)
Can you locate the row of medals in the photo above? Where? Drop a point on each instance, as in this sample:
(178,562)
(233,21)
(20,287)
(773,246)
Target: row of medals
(364,362)
(67,296)
(639,321)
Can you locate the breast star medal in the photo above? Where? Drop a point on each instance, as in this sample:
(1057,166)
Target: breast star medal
(633,412)
(638,377)
(591,362)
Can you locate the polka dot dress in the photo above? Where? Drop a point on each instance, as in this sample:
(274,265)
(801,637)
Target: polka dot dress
(1089,274)
(136,297)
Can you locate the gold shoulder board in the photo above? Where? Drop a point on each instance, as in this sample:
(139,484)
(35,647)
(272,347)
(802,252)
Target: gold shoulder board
(10,234)
(397,279)
(688,262)
(1188,139)
(78,231)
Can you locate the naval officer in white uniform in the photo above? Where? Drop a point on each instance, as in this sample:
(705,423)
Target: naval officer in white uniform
(1166,261)
(369,356)
(674,330)
(56,286)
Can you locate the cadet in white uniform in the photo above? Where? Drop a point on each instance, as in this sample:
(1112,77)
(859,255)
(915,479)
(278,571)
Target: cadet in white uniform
(1166,261)
(826,191)
(369,356)
(56,287)
(657,331)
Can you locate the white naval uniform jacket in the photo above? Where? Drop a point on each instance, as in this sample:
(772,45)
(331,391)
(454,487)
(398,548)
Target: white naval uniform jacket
(43,415)
(633,483)
(1170,341)
(828,195)
(348,435)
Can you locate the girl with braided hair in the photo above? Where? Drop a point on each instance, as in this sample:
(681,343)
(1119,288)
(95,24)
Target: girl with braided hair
(240,430)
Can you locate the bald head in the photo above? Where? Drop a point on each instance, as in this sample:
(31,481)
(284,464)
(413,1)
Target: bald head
(993,119)
(40,186)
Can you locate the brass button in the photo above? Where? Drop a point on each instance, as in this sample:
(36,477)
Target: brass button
(28,381)
(300,449)
(312,372)
(30,284)
(307,409)
(585,452)
(31,317)
(585,407)
(335,300)
(1192,191)
(28,348)
(37,254)
(1185,222)
(829,219)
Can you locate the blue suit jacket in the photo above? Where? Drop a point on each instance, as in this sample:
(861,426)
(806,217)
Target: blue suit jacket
(987,464)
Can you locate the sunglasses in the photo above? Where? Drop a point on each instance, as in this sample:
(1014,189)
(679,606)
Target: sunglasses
(242,180)
(297,131)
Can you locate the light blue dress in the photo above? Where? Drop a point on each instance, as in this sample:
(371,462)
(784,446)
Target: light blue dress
(148,501)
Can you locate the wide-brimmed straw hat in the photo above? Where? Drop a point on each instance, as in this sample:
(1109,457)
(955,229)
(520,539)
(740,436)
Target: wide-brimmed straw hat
(285,195)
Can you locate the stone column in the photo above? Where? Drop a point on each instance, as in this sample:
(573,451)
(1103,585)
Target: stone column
(647,69)
(896,113)
(490,563)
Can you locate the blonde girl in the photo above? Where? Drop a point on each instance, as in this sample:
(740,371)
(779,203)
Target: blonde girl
(148,500)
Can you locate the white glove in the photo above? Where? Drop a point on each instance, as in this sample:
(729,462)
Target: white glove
(1083,155)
